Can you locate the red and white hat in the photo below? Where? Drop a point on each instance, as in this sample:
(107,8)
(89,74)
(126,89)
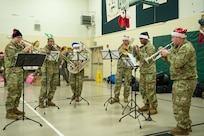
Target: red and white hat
(179,32)
(125,37)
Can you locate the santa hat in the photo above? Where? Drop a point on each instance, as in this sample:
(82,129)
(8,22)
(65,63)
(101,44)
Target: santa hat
(144,35)
(75,44)
(125,37)
(1,53)
(16,33)
(179,32)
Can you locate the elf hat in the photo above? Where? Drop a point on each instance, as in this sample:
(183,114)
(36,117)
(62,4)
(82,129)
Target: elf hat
(179,32)
(144,35)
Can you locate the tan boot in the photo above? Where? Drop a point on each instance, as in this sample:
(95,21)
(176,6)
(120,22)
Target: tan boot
(126,99)
(73,97)
(77,99)
(190,129)
(144,108)
(18,112)
(11,115)
(179,131)
(152,111)
(50,103)
(41,105)
(115,99)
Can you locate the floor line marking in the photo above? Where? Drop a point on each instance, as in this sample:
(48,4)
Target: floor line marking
(47,122)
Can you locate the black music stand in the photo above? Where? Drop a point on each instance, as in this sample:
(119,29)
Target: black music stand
(110,55)
(27,60)
(130,62)
(77,56)
(133,108)
(53,56)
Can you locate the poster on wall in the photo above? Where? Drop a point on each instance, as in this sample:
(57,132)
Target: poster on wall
(112,10)
(145,6)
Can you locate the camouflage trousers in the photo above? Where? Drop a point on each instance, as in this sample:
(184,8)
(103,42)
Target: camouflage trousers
(76,83)
(182,92)
(147,88)
(123,73)
(14,86)
(48,85)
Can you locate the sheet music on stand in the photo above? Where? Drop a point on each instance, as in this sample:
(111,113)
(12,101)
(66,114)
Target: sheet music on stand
(130,61)
(77,56)
(107,55)
(54,55)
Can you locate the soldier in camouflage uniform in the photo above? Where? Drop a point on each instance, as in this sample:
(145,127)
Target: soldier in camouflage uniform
(14,75)
(123,70)
(76,80)
(183,72)
(49,76)
(147,83)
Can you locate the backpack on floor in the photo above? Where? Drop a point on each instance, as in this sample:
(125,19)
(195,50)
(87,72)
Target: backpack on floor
(199,90)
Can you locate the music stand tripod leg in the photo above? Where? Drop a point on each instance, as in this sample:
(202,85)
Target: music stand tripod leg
(129,103)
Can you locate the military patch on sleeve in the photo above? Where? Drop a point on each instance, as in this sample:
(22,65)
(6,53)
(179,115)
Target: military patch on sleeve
(11,47)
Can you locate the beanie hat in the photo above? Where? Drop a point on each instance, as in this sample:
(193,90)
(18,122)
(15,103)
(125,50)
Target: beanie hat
(179,32)
(144,35)
(75,44)
(16,33)
(125,37)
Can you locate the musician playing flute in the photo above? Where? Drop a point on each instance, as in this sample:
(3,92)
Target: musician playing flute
(147,83)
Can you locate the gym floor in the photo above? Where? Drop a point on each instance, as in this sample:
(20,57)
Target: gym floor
(94,115)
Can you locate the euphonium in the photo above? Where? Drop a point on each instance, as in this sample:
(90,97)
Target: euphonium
(157,55)
(84,59)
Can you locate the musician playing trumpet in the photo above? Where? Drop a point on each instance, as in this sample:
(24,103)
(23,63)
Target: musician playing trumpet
(123,70)
(147,83)
(183,72)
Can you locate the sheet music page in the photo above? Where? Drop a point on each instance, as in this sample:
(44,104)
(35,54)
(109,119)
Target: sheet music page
(54,55)
(77,56)
(133,60)
(106,54)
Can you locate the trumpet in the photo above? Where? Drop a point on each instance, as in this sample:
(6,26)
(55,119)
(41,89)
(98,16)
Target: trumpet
(157,55)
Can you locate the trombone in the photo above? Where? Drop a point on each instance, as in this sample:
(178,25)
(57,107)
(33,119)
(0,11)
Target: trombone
(157,55)
(34,46)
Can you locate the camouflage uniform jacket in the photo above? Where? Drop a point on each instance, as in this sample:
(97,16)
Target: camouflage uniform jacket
(121,61)
(51,65)
(146,51)
(11,52)
(183,62)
